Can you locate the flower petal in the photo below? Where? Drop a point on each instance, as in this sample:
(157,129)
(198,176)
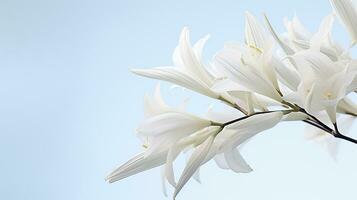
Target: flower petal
(237,133)
(136,165)
(255,35)
(323,33)
(230,61)
(236,162)
(173,123)
(346,11)
(197,157)
(191,57)
(286,48)
(178,77)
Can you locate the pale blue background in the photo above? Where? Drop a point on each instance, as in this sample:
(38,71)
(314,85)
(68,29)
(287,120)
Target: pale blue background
(69,105)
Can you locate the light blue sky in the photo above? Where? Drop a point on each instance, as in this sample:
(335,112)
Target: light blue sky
(69,105)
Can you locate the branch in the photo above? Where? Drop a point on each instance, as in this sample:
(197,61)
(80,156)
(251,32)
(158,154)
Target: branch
(313,121)
(336,133)
(257,113)
(340,136)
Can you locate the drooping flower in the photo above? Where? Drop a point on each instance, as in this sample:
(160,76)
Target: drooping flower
(161,129)
(166,132)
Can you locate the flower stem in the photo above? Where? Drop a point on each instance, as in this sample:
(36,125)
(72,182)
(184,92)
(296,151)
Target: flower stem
(339,135)
(312,120)
(257,113)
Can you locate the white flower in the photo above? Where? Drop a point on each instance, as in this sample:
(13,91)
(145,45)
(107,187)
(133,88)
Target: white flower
(299,38)
(233,136)
(249,68)
(251,65)
(324,82)
(346,10)
(161,129)
(310,81)
(189,70)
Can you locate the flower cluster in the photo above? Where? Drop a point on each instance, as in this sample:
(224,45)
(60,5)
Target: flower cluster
(296,76)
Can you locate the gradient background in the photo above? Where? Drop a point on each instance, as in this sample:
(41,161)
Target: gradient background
(69,105)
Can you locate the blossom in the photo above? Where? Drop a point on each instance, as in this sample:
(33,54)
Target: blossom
(251,65)
(310,80)
(299,38)
(162,128)
(166,132)
(188,68)
(324,82)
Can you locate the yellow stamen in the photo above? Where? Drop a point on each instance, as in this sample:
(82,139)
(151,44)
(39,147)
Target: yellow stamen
(255,48)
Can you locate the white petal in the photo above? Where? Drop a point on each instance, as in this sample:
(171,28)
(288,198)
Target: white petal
(171,156)
(224,115)
(237,133)
(225,85)
(282,44)
(155,105)
(178,77)
(230,61)
(295,116)
(221,161)
(309,101)
(347,106)
(314,63)
(267,65)
(287,75)
(297,30)
(197,175)
(244,99)
(323,33)
(346,11)
(197,157)
(198,47)
(173,123)
(191,58)
(136,165)
(193,139)
(255,35)
(236,162)
(331,51)
(163,181)
(331,111)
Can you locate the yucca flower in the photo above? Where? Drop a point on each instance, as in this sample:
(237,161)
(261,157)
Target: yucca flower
(269,78)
